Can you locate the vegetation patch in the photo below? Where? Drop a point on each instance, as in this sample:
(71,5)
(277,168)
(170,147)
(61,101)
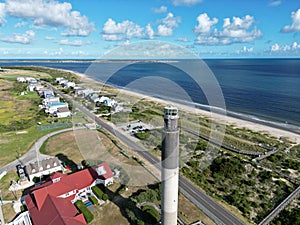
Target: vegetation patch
(254,190)
(98,192)
(151,215)
(84,210)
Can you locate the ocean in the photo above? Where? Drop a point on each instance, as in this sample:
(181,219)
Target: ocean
(261,90)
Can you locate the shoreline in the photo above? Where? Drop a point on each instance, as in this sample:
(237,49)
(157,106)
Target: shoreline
(237,121)
(224,119)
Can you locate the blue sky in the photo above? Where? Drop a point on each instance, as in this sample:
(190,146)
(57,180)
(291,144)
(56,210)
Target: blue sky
(209,28)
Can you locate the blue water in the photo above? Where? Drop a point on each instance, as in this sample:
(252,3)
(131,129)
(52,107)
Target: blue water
(257,89)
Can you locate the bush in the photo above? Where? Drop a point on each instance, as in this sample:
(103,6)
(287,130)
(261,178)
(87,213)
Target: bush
(23,208)
(121,189)
(104,197)
(94,200)
(98,192)
(151,214)
(86,213)
(142,135)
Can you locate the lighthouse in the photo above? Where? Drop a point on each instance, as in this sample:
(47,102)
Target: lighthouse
(170,166)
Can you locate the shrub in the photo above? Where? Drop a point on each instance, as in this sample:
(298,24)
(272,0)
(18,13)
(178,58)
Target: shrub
(86,213)
(98,192)
(104,197)
(142,135)
(151,214)
(93,200)
(23,208)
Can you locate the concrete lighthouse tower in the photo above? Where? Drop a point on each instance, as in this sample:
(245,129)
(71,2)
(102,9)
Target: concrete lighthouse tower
(170,164)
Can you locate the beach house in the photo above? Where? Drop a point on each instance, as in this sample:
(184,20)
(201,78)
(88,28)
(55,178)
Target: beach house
(53,107)
(62,112)
(52,201)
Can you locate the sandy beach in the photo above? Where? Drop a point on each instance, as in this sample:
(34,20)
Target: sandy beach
(225,119)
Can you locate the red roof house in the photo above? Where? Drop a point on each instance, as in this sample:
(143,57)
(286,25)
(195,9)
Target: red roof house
(51,202)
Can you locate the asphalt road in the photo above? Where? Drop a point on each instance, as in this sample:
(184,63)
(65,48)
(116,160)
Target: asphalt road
(215,211)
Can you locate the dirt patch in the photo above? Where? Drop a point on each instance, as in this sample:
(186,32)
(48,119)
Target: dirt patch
(8,212)
(64,143)
(190,213)
(108,213)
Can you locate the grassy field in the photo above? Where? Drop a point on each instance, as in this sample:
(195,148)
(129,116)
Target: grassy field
(19,115)
(64,143)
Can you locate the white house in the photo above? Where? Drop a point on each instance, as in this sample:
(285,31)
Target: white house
(49,100)
(70,84)
(45,167)
(53,107)
(21,79)
(31,87)
(31,80)
(107,101)
(83,92)
(62,112)
(94,97)
(48,93)
(57,79)
(63,81)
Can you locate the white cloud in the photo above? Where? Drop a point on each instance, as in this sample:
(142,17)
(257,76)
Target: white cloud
(204,23)
(186,2)
(149,31)
(168,24)
(171,21)
(51,13)
(275,3)
(25,38)
(237,30)
(20,24)
(49,38)
(275,47)
(2,14)
(295,46)
(126,30)
(245,50)
(182,39)
(285,48)
(295,26)
(71,43)
(161,9)
(117,31)
(79,53)
(111,37)
(163,30)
